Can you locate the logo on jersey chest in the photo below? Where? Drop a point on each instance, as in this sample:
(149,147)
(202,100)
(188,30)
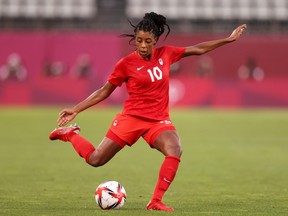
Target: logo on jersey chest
(139,68)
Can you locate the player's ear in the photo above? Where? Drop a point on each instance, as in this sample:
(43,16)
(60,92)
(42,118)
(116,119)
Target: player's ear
(156,39)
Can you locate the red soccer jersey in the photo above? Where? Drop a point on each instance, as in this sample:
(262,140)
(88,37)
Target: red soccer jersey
(147,82)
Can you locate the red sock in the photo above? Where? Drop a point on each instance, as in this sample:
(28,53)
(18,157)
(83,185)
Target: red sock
(166,175)
(82,146)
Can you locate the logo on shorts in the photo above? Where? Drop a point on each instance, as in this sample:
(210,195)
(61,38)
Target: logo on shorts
(115,123)
(165,122)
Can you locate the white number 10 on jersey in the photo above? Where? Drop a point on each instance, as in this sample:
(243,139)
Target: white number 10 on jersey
(157,73)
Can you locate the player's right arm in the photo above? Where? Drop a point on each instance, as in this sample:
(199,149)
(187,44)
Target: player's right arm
(99,95)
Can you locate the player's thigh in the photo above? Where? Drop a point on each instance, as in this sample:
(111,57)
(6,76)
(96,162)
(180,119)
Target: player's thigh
(168,142)
(104,152)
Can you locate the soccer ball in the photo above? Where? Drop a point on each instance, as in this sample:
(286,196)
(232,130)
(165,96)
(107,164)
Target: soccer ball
(110,195)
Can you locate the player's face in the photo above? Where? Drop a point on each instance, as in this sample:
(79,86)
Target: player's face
(145,42)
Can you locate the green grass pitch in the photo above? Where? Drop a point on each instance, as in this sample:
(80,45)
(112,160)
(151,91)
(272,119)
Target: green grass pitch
(235,162)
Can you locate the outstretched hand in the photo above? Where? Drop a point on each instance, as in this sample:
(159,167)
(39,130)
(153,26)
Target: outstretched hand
(237,32)
(65,116)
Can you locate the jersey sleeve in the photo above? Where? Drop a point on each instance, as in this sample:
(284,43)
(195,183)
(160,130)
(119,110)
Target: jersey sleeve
(175,53)
(118,76)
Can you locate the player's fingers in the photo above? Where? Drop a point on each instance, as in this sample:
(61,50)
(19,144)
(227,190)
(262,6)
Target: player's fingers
(62,113)
(63,121)
(242,27)
(240,30)
(59,120)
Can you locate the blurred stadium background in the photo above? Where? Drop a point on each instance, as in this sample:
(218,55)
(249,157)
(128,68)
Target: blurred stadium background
(59,51)
(56,52)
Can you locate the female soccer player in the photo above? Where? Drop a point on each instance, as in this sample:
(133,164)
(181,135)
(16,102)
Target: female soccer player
(145,114)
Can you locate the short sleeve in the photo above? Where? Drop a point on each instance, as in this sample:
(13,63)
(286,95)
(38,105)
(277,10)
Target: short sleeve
(175,53)
(118,76)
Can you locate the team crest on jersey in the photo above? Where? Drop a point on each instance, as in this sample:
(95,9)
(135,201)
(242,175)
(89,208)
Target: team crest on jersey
(160,61)
(115,122)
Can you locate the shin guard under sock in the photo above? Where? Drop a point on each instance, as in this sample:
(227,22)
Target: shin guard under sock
(83,147)
(166,176)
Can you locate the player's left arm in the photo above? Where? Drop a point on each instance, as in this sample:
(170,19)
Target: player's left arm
(208,46)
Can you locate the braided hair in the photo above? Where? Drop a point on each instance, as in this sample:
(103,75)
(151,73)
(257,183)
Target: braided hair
(151,22)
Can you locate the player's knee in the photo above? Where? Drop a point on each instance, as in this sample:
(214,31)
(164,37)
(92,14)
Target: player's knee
(96,162)
(175,150)
(178,150)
